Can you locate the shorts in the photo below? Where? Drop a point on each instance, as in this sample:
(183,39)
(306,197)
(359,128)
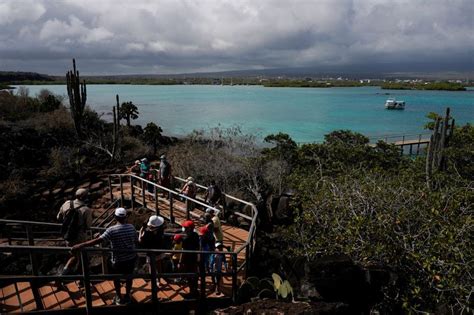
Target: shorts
(123,267)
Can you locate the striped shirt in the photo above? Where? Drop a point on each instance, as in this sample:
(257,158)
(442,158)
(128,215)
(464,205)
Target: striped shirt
(121,236)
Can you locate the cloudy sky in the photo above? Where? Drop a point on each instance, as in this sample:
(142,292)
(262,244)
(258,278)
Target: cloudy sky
(175,36)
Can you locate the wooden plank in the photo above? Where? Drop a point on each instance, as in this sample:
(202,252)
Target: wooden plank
(64,299)
(10,302)
(76,295)
(49,299)
(106,291)
(96,299)
(27,298)
(141,290)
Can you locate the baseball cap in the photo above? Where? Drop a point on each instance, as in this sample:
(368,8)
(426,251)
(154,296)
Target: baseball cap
(203,230)
(81,192)
(177,237)
(188,224)
(155,221)
(120,212)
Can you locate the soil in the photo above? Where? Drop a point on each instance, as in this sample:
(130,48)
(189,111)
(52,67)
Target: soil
(275,307)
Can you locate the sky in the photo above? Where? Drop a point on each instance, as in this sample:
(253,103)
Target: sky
(177,36)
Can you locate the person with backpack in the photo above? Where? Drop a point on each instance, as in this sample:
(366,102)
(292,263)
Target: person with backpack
(189,190)
(213,194)
(76,220)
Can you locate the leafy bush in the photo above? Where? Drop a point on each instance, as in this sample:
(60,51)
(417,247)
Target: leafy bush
(381,219)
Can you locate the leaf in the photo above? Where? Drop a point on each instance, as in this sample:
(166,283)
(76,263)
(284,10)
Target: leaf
(276,281)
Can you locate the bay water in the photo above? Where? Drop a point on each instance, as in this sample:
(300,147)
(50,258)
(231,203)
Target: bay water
(306,114)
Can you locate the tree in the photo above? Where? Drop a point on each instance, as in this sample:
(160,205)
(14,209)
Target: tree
(128,111)
(152,135)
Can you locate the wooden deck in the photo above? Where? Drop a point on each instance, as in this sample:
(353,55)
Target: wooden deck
(18,297)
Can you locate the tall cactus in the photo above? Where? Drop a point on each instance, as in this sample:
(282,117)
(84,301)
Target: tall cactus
(77,93)
(116,129)
(438,142)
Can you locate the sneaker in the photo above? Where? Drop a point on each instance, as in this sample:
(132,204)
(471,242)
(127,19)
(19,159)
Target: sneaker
(116,300)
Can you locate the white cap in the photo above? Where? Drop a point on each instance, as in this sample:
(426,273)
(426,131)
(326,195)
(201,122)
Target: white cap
(218,244)
(190,179)
(155,221)
(120,212)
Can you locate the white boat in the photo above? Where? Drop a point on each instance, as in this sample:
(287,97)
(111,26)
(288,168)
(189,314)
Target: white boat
(391,103)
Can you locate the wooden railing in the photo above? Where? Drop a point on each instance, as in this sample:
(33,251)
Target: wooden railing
(47,229)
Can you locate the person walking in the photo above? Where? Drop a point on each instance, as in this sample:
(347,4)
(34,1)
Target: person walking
(151,237)
(122,236)
(189,190)
(76,218)
(213,194)
(217,227)
(164,178)
(188,262)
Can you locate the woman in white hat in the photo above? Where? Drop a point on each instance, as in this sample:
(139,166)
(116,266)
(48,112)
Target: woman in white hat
(151,237)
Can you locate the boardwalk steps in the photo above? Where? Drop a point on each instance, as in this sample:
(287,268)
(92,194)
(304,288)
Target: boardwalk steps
(40,292)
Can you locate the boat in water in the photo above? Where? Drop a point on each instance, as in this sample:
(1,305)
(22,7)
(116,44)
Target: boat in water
(391,103)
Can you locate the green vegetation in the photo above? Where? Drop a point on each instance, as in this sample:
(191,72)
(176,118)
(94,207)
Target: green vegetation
(446,86)
(367,202)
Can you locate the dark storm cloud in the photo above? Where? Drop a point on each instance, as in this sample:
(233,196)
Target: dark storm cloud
(185,36)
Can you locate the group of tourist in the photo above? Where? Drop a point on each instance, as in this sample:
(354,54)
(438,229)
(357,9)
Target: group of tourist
(76,220)
(160,174)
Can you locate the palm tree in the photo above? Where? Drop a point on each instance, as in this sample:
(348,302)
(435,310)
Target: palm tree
(129,111)
(152,135)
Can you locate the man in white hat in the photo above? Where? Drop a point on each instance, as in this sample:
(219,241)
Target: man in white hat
(121,236)
(76,220)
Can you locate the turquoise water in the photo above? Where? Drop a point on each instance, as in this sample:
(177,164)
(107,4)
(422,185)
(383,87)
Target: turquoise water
(307,114)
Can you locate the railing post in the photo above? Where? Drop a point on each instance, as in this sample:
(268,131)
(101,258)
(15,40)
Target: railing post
(132,199)
(170,195)
(224,205)
(87,282)
(247,258)
(234,277)
(121,191)
(110,189)
(143,194)
(202,273)
(186,203)
(157,209)
(34,269)
(154,278)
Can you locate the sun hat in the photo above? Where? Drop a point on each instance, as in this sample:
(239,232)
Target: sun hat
(188,224)
(178,237)
(155,221)
(120,212)
(81,192)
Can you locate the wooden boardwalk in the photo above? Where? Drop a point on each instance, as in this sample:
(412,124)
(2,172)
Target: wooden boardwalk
(16,297)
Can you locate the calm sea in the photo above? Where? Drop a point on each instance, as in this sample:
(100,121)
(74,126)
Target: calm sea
(307,114)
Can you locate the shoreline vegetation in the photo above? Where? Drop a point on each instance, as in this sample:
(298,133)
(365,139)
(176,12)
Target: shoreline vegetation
(7,79)
(379,208)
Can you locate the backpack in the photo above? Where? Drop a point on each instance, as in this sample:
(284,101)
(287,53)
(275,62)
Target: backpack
(70,226)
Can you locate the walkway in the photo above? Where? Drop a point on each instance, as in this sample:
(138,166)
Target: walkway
(25,293)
